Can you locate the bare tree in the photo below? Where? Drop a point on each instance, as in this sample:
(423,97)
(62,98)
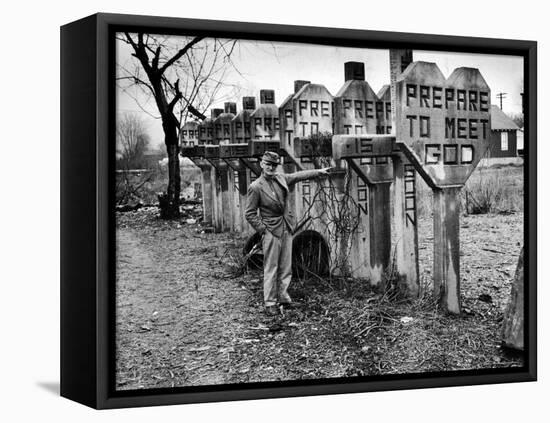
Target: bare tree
(517,118)
(131,141)
(184,76)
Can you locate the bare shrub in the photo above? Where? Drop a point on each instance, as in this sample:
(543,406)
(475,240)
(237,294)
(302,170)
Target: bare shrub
(494,190)
(144,185)
(482,196)
(488,190)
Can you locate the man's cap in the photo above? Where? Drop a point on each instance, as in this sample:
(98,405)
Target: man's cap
(271,157)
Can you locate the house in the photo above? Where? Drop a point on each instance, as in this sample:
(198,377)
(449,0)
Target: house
(503,136)
(520,142)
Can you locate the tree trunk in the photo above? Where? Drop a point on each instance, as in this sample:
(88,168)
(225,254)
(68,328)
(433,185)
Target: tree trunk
(512,327)
(174,183)
(171,207)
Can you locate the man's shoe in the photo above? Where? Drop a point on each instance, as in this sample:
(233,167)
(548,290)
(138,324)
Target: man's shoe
(271,310)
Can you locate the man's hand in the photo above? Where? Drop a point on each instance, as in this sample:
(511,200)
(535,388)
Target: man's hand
(325,171)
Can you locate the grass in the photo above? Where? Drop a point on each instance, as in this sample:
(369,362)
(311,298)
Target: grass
(494,190)
(498,189)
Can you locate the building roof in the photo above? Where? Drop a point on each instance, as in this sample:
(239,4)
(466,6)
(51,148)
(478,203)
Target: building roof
(500,121)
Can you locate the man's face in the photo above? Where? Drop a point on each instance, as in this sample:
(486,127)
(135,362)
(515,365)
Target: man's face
(268,168)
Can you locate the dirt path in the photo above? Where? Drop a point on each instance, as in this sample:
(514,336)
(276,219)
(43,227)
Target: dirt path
(177,318)
(183,318)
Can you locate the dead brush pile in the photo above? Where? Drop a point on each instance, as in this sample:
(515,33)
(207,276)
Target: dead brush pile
(372,331)
(394,335)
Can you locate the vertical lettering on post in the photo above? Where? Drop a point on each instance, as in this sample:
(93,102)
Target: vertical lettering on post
(362,195)
(410,194)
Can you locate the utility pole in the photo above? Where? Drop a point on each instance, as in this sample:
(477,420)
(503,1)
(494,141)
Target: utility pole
(500,96)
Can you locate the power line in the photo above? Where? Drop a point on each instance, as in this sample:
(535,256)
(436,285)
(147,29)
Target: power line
(500,96)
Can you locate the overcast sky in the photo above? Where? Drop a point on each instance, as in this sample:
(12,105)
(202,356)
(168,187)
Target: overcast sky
(265,65)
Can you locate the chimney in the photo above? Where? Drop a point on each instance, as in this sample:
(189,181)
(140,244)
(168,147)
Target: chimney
(230,107)
(299,84)
(267,97)
(249,103)
(354,71)
(216,113)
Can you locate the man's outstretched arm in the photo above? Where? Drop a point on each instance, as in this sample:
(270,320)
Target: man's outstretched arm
(292,178)
(251,212)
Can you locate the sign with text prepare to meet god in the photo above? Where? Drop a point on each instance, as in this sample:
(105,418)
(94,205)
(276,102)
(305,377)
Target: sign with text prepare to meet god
(444,124)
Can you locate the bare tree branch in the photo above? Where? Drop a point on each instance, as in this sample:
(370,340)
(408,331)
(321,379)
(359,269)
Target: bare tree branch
(177,97)
(179,54)
(183,81)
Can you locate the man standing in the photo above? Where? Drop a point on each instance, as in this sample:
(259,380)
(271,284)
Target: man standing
(276,222)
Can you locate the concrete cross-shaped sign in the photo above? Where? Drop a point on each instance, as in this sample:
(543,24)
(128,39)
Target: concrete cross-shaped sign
(443,124)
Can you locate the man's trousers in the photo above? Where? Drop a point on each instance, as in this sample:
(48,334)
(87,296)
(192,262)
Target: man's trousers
(277,267)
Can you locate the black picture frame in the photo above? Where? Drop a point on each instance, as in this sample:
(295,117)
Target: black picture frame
(87,209)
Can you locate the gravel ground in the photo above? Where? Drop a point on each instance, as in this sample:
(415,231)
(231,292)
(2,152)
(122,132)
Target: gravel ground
(186,316)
